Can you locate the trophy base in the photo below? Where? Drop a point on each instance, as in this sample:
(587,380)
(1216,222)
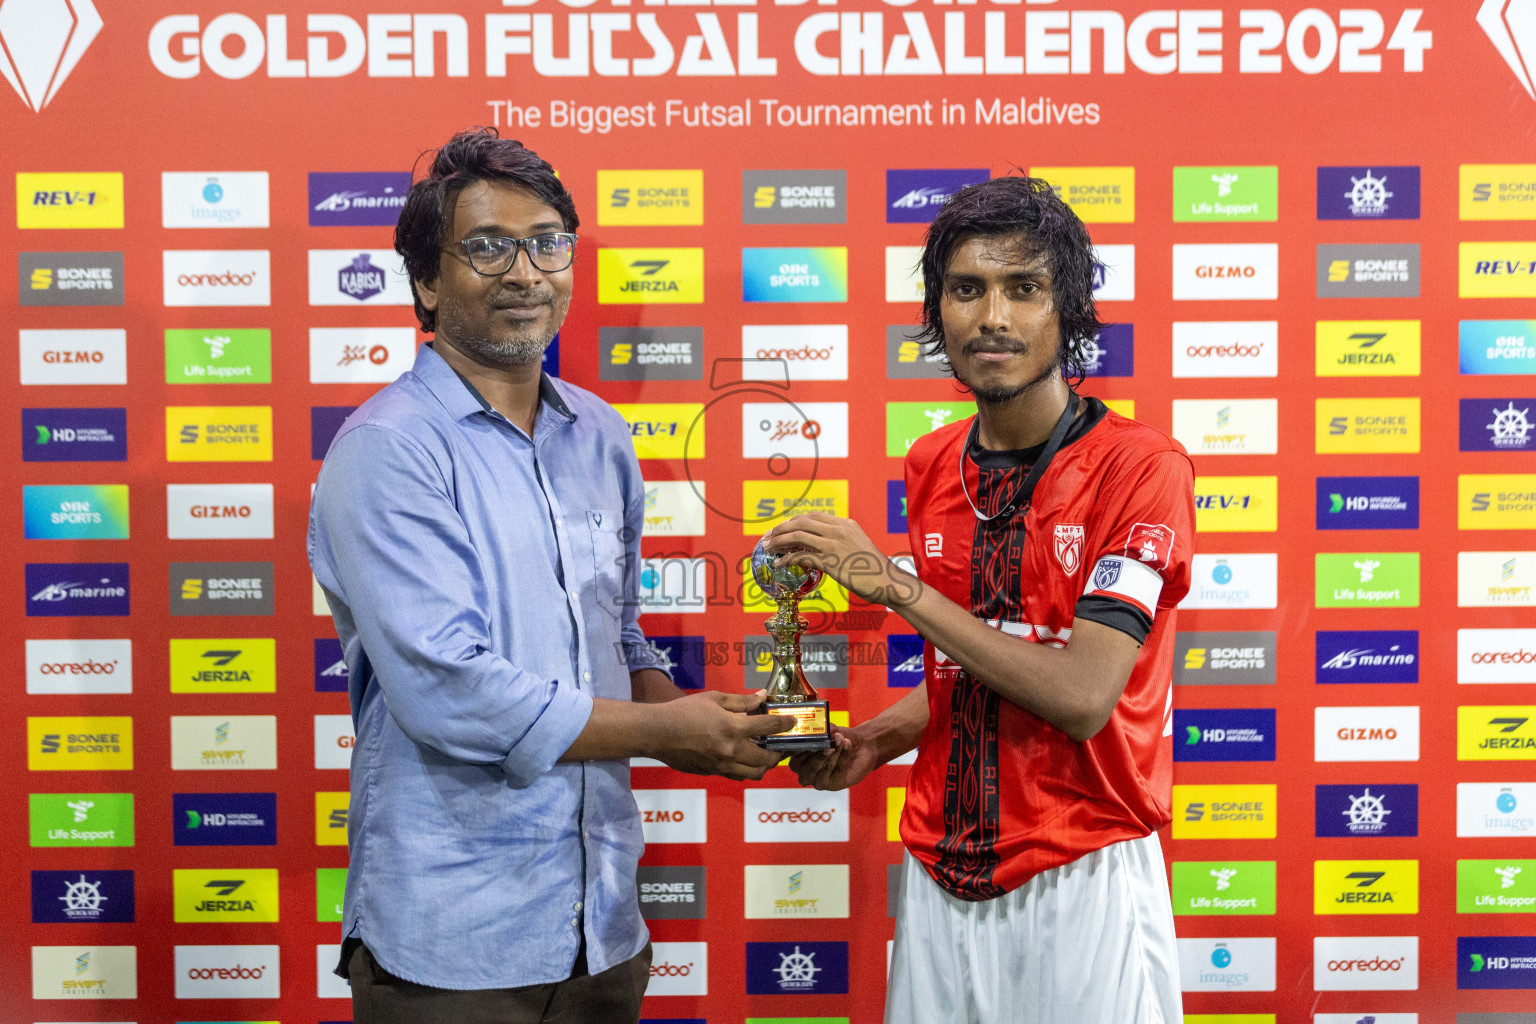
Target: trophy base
(810,731)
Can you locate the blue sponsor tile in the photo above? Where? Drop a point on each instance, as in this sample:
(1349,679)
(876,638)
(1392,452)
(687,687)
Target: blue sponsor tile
(1366,811)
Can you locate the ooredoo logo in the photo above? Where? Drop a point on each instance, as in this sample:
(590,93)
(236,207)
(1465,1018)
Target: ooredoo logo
(795,815)
(217,277)
(1342,963)
(1226,348)
(1496,655)
(227,972)
(79,666)
(679,969)
(803,351)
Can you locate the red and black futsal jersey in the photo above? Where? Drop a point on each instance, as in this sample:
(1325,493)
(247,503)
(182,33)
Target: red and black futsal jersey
(997,794)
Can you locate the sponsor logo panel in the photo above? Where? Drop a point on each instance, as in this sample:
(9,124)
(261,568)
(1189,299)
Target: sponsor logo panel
(218,433)
(224,819)
(1366,963)
(79,666)
(85,972)
(784,432)
(1362,271)
(74,357)
(325,422)
(829,596)
(908,358)
(1365,734)
(1377,579)
(674,508)
(904,659)
(216,277)
(357,198)
(82,897)
(645,198)
(686,657)
(1502,809)
(1238,887)
(766,503)
(1098,195)
(795,275)
(191,199)
(1346,425)
(895,506)
(905,422)
(1491,655)
(1114,272)
(224,355)
(1227,426)
(74,435)
(330,893)
(660,430)
(69,278)
(1373,810)
(103,743)
(360,355)
(673,815)
(330,666)
(1496,961)
(1505,886)
(227,972)
(1228,348)
(224,894)
(1236,504)
(650,276)
(795,816)
(1496,270)
(797,968)
(1368,193)
(677,584)
(795,351)
(1112,353)
(1233,581)
(80,819)
(1497,346)
(218,511)
(1225,734)
(1365,887)
(679,969)
(1494,579)
(1497,192)
(794,197)
(221,588)
(1227,965)
(1367,656)
(218,742)
(1225,194)
(915,197)
(1218,272)
(358,277)
(67,589)
(903,273)
(824,659)
(331,818)
(1368,348)
(223,666)
(1498,424)
(672,893)
(333,741)
(75,512)
(1503,732)
(796,890)
(78,200)
(1224,812)
(1501,501)
(1367,503)
(1224,659)
(650,353)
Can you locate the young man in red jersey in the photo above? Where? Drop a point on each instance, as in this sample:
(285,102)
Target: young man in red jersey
(1053,540)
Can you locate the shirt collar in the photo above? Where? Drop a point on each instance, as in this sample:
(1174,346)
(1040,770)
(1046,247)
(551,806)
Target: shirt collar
(461,398)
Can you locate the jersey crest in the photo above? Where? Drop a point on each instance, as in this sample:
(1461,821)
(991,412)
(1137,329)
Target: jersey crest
(1069,547)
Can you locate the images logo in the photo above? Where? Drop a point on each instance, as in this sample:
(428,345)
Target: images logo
(795,816)
(1496,270)
(79,666)
(70,278)
(1365,963)
(650,198)
(1367,503)
(1498,191)
(223,666)
(1227,965)
(1208,888)
(1226,271)
(1367,656)
(1098,195)
(1367,271)
(914,197)
(360,198)
(74,357)
(65,589)
(794,197)
(1365,887)
(795,275)
(1496,961)
(672,893)
(1224,812)
(1369,811)
(1246,658)
(1236,504)
(1345,425)
(81,897)
(1233,581)
(905,422)
(1368,193)
(1226,194)
(217,277)
(673,815)
(74,435)
(223,742)
(1505,886)
(1488,579)
(1495,808)
(75,512)
(796,890)
(1368,348)
(224,819)
(224,895)
(349,277)
(1498,424)
(1492,655)
(797,968)
(650,353)
(80,744)
(93,200)
(1226,349)
(207,200)
(650,276)
(80,819)
(1232,734)
(1504,501)
(1496,733)
(51,39)
(1365,734)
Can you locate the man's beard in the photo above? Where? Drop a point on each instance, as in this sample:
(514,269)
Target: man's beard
(513,352)
(1001,395)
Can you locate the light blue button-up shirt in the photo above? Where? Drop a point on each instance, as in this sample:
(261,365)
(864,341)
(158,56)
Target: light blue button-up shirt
(483,588)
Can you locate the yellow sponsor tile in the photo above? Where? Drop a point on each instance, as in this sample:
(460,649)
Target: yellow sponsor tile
(224,894)
(1496,732)
(895,800)
(1496,501)
(660,430)
(218,433)
(70,743)
(1365,887)
(767,503)
(645,198)
(69,200)
(1496,270)
(650,276)
(1497,192)
(331,818)
(224,666)
(1098,195)
(1224,812)
(1123,406)
(1345,425)
(1368,348)
(1236,504)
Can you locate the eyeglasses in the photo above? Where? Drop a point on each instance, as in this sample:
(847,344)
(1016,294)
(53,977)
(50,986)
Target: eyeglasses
(493,255)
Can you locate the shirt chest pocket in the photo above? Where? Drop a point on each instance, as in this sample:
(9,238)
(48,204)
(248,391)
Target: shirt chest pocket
(605,528)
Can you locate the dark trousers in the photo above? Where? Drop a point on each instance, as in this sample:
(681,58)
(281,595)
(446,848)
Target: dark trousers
(612,997)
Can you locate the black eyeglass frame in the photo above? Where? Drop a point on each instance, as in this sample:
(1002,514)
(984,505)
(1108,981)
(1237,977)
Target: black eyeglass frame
(519,245)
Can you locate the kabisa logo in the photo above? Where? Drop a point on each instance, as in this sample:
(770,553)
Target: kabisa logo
(1497,424)
(358,198)
(82,897)
(77,588)
(224,819)
(74,435)
(803,968)
(1496,733)
(330,667)
(1498,346)
(672,893)
(650,276)
(1098,195)
(794,197)
(1367,656)
(70,278)
(1232,734)
(1496,270)
(1367,503)
(915,197)
(1365,887)
(685,658)
(349,277)
(76,200)
(1495,809)
(1368,193)
(1369,811)
(49,40)
(1498,192)
(360,279)
(1496,961)
(1507,24)
(650,198)
(1367,271)
(650,353)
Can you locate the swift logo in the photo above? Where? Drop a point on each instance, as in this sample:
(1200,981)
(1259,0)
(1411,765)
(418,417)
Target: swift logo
(43,43)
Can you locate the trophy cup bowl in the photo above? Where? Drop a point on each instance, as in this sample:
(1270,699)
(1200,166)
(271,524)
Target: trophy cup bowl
(789,693)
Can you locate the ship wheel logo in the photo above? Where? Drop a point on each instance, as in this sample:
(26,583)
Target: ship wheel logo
(82,898)
(1367,813)
(1510,427)
(797,969)
(1368,196)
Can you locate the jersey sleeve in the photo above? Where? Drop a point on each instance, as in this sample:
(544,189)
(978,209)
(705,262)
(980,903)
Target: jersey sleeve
(1141,545)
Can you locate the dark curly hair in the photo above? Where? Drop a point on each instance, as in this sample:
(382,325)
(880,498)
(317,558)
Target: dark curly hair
(1030,214)
(478,154)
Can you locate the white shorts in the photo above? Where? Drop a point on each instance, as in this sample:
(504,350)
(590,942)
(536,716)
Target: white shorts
(1090,942)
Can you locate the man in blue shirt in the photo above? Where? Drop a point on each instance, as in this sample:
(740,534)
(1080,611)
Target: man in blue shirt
(476,530)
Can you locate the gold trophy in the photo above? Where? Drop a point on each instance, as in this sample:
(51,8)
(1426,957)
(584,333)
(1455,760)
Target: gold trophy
(789,693)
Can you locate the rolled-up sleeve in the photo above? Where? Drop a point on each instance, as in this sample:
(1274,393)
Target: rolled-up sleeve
(387,544)
(638,651)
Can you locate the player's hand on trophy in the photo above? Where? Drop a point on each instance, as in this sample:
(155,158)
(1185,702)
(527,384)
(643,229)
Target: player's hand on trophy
(846,764)
(711,734)
(841,549)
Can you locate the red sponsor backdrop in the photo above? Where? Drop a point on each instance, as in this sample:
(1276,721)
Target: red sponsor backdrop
(117,113)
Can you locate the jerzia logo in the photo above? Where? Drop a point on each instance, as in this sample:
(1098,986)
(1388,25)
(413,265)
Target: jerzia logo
(50,38)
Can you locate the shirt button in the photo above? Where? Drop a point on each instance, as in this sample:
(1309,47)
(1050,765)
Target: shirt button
(575,922)
(577,907)
(586,677)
